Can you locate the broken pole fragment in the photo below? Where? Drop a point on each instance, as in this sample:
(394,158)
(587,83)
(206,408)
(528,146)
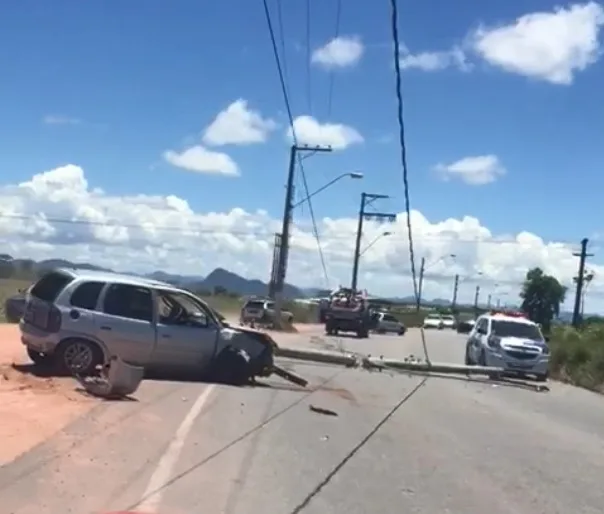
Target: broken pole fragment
(363,361)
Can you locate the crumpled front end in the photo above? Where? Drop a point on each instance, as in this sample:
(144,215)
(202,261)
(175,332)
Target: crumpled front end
(259,345)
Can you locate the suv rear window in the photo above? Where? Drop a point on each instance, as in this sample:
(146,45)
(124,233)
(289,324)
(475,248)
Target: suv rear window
(257,304)
(50,286)
(86,295)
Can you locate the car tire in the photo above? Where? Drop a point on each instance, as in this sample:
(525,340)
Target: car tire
(401,332)
(542,377)
(39,358)
(233,367)
(468,359)
(78,356)
(482,360)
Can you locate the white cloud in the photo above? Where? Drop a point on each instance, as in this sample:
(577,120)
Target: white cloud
(144,233)
(551,46)
(310,132)
(436,61)
(201,160)
(60,120)
(238,125)
(475,171)
(340,52)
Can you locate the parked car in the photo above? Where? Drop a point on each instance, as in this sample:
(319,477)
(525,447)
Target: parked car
(76,320)
(433,321)
(262,311)
(385,323)
(14,306)
(449,321)
(465,326)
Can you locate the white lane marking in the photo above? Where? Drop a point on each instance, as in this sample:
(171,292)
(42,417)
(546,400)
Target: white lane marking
(155,488)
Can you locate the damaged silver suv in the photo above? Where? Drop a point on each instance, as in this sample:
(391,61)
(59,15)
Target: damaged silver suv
(76,320)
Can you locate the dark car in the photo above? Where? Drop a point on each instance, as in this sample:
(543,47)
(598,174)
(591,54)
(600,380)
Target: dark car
(14,307)
(465,326)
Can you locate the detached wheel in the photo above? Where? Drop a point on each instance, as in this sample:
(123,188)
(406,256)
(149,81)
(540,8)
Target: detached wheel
(38,358)
(78,356)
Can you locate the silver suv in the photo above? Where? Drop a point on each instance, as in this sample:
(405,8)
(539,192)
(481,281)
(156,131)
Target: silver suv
(76,320)
(261,311)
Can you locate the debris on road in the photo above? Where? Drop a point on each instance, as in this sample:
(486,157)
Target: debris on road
(321,410)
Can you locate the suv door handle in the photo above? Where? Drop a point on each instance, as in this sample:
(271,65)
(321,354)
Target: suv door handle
(105,327)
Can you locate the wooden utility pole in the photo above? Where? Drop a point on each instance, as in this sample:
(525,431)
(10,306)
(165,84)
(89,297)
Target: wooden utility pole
(455,288)
(583,255)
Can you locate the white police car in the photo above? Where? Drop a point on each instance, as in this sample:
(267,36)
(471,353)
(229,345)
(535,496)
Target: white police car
(510,341)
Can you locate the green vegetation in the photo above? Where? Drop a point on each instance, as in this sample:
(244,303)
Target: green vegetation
(577,355)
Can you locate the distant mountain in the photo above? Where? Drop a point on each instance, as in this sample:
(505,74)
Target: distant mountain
(243,286)
(219,278)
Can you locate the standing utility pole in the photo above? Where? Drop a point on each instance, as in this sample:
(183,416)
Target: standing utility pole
(366,200)
(476,296)
(489,302)
(420,285)
(580,278)
(455,287)
(287,219)
(273,280)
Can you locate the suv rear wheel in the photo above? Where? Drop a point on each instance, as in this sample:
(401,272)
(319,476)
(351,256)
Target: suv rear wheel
(78,356)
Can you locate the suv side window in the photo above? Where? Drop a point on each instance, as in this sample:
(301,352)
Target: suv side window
(128,301)
(50,286)
(86,295)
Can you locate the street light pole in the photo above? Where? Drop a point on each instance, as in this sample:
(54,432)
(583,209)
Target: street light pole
(383,234)
(366,200)
(353,175)
(422,269)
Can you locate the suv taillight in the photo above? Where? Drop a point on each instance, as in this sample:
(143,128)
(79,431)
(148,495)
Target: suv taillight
(54,320)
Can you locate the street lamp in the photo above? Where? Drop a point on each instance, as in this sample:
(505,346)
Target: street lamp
(422,270)
(383,234)
(354,175)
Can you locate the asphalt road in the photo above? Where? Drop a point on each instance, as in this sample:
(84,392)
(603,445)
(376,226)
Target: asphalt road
(453,445)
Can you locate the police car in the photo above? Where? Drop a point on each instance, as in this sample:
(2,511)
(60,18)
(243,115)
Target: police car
(509,340)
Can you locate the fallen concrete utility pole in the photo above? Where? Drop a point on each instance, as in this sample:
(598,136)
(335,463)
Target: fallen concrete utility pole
(352,360)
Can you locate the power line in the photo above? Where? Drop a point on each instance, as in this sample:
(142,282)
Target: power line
(268,232)
(294,137)
(332,72)
(403,147)
(308,57)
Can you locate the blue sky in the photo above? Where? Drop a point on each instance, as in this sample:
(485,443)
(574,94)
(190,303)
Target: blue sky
(144,77)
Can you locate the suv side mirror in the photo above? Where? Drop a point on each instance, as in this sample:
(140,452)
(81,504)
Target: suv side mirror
(481,331)
(546,339)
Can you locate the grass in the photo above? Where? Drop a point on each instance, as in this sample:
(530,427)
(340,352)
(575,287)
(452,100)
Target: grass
(578,356)
(8,288)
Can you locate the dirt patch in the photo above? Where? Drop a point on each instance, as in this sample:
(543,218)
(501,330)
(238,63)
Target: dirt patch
(33,407)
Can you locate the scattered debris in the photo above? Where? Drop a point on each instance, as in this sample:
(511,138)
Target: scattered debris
(321,410)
